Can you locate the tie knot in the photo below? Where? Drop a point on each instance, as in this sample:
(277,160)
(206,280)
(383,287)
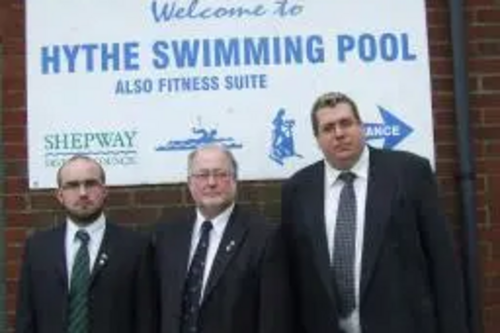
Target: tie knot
(83,236)
(206,226)
(347,177)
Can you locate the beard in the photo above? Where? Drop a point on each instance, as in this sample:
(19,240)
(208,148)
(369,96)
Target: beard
(84,218)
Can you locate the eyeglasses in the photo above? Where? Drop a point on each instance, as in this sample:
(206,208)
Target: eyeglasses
(342,124)
(87,184)
(217,175)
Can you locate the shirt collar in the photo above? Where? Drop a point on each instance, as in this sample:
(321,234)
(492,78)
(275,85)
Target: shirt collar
(92,228)
(360,168)
(219,222)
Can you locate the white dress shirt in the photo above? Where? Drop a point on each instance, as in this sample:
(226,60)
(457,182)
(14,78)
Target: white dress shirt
(333,186)
(72,244)
(219,224)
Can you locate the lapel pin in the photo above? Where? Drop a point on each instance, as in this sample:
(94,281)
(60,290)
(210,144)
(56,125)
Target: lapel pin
(230,246)
(103,259)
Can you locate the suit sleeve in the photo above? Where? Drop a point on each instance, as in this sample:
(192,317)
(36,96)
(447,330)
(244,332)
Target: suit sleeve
(147,306)
(25,308)
(437,241)
(275,291)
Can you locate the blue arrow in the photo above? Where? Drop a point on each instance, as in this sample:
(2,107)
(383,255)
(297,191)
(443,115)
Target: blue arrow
(392,129)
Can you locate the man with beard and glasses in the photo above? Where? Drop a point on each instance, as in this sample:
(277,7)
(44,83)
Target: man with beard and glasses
(86,274)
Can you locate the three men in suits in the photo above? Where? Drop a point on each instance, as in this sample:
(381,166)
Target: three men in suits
(221,269)
(86,275)
(370,250)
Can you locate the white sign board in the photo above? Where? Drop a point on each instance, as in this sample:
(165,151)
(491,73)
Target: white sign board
(138,84)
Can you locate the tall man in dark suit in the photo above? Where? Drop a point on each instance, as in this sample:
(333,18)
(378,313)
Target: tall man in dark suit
(221,269)
(86,275)
(371,252)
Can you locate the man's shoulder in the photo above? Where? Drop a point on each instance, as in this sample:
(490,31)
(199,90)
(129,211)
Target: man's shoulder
(172,223)
(308,172)
(254,218)
(124,234)
(46,234)
(398,157)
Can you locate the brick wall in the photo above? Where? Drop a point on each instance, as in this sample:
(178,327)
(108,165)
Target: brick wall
(27,210)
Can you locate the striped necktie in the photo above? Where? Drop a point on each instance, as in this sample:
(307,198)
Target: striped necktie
(78,318)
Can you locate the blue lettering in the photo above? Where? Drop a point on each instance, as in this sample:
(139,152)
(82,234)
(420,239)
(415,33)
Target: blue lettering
(387,47)
(51,59)
(90,58)
(226,53)
(165,12)
(161,60)
(131,55)
(345,44)
(186,53)
(315,50)
(367,47)
(237,52)
(256,52)
(405,48)
(70,52)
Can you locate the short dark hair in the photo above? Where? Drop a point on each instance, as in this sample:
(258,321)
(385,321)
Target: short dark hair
(331,99)
(73,158)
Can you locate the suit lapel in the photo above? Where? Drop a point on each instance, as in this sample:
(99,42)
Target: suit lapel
(58,245)
(315,220)
(231,240)
(104,253)
(377,214)
(178,250)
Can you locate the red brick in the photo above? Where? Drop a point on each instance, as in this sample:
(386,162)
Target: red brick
(15,185)
(489,15)
(16,168)
(488,132)
(15,119)
(15,202)
(489,48)
(15,235)
(442,83)
(15,101)
(134,216)
(491,83)
(15,150)
(484,65)
(493,149)
(158,197)
(44,201)
(15,136)
(119,198)
(491,116)
(437,18)
(490,166)
(485,100)
(479,32)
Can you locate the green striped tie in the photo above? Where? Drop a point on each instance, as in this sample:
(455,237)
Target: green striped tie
(78,319)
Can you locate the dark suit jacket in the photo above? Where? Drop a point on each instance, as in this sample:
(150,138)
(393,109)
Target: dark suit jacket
(410,282)
(247,290)
(120,290)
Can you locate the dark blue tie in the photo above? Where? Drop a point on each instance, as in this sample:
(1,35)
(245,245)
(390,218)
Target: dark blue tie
(344,252)
(194,282)
(78,318)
